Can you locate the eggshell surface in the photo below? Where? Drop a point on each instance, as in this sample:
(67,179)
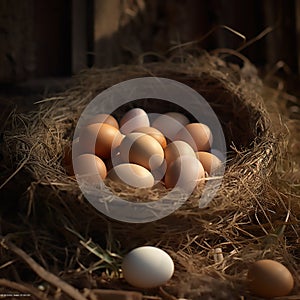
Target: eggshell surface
(181,118)
(184,172)
(176,149)
(90,168)
(218,154)
(99,139)
(197,135)
(209,161)
(170,124)
(131,174)
(103,118)
(154,133)
(268,278)
(134,119)
(142,149)
(147,267)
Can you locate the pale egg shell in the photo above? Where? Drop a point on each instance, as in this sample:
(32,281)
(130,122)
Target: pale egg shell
(99,139)
(134,119)
(197,135)
(268,278)
(90,167)
(176,149)
(209,161)
(170,124)
(155,133)
(142,149)
(147,267)
(103,118)
(131,174)
(185,172)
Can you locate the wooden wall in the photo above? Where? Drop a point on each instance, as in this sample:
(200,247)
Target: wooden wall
(40,38)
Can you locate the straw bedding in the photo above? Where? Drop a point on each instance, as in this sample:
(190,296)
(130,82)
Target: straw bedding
(253,215)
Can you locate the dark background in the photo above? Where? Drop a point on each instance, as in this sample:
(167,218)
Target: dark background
(57,38)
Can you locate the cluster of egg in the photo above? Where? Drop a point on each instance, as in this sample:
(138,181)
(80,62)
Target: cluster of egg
(171,151)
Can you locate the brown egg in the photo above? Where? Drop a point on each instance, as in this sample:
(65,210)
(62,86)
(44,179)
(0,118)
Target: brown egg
(154,133)
(209,161)
(184,172)
(134,119)
(197,135)
(103,118)
(176,149)
(90,167)
(268,278)
(131,174)
(99,139)
(142,149)
(170,124)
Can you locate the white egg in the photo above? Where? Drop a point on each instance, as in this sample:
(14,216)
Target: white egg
(147,267)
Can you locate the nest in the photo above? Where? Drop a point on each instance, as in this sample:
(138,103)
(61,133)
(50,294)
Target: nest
(246,219)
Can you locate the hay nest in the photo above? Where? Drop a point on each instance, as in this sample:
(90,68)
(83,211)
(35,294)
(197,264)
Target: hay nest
(247,219)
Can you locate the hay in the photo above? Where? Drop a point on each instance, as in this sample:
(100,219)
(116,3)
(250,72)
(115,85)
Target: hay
(253,215)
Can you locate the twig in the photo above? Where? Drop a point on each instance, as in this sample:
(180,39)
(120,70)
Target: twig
(215,28)
(256,38)
(22,288)
(44,274)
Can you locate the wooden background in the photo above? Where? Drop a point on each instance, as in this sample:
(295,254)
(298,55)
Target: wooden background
(54,38)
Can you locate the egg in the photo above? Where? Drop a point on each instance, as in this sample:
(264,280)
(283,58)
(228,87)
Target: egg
(219,154)
(154,133)
(103,118)
(99,139)
(170,124)
(142,149)
(134,119)
(197,135)
(181,118)
(131,174)
(268,278)
(209,161)
(185,173)
(90,168)
(147,267)
(176,149)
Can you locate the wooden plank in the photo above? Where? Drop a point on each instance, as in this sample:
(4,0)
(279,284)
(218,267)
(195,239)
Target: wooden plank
(79,35)
(16,40)
(106,25)
(297,21)
(281,43)
(52,35)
